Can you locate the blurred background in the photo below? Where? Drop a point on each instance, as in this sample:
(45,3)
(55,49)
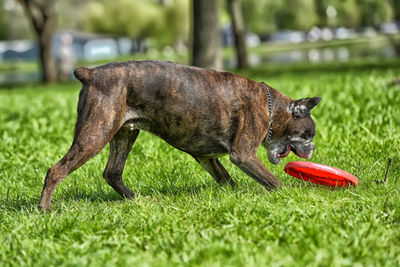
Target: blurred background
(43,40)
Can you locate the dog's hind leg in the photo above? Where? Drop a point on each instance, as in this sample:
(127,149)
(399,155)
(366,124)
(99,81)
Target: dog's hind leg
(226,178)
(120,146)
(214,167)
(95,127)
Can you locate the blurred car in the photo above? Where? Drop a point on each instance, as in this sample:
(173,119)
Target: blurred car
(252,39)
(389,28)
(228,38)
(85,46)
(288,37)
(316,34)
(344,33)
(18,50)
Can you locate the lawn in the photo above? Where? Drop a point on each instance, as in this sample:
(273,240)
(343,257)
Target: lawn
(180,215)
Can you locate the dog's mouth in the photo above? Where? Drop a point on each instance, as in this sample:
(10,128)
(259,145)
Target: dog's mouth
(291,148)
(277,151)
(286,153)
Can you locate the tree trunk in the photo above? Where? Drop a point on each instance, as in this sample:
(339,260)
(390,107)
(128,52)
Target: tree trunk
(49,73)
(3,23)
(41,15)
(206,47)
(235,12)
(320,9)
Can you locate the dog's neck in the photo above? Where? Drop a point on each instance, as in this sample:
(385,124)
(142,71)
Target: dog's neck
(280,112)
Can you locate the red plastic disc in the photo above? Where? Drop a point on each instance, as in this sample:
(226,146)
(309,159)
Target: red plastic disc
(320,174)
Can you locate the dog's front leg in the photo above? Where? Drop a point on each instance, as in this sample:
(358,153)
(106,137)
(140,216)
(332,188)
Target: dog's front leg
(252,166)
(214,167)
(243,152)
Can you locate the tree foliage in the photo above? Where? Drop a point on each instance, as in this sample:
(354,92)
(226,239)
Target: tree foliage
(140,19)
(267,16)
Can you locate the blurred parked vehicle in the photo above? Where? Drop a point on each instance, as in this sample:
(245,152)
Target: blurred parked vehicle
(316,34)
(389,28)
(344,33)
(288,36)
(85,46)
(18,50)
(227,37)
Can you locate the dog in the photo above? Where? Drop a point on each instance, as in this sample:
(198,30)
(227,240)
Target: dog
(205,113)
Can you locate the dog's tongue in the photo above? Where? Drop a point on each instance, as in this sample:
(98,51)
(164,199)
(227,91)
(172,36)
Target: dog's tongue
(286,153)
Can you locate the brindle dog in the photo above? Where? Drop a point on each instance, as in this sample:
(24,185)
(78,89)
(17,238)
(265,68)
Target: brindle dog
(205,113)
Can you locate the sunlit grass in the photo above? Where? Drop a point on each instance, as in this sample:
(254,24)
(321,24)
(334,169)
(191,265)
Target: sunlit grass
(181,216)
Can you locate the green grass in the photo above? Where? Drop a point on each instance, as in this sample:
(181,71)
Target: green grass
(181,216)
(19,66)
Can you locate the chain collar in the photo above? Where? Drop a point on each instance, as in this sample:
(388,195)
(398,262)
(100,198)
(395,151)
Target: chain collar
(269,134)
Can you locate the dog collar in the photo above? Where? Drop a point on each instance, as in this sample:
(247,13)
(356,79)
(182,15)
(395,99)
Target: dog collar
(269,134)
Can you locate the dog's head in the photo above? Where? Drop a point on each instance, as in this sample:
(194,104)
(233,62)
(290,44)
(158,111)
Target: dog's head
(298,134)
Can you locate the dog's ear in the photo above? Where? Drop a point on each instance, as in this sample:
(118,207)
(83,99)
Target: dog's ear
(302,107)
(82,74)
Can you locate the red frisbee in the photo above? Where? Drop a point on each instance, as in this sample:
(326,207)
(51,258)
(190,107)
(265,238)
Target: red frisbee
(320,174)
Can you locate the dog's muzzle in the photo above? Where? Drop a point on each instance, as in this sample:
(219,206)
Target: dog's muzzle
(278,150)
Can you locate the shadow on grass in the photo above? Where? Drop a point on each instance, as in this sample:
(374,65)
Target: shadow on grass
(19,203)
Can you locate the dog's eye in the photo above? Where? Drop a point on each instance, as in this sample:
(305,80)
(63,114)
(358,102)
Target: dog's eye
(304,136)
(308,134)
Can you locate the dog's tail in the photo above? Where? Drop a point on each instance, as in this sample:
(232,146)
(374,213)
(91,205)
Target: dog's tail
(82,74)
